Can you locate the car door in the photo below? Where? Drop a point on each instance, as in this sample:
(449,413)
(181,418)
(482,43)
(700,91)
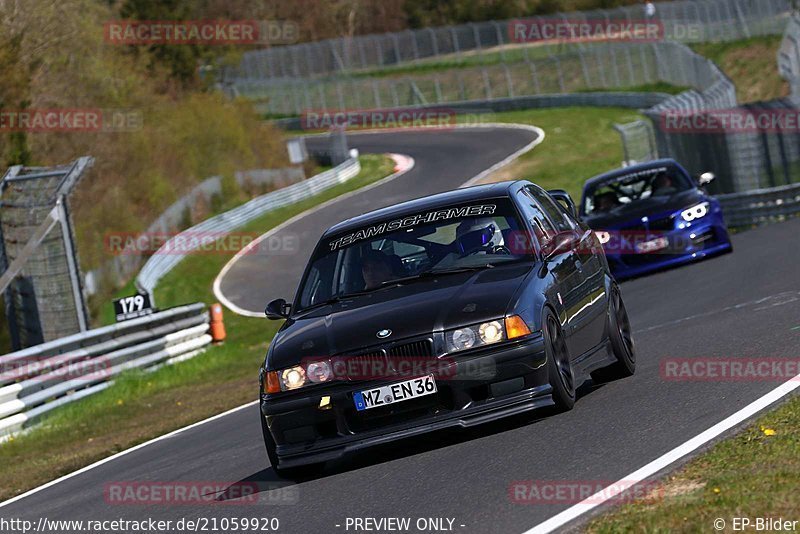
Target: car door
(589,315)
(563,267)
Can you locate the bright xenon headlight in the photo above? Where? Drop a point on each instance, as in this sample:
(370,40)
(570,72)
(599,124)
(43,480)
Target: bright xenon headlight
(695,212)
(491,332)
(298,376)
(603,237)
(293,378)
(477,335)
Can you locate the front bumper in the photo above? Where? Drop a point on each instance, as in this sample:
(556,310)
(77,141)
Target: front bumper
(512,379)
(688,244)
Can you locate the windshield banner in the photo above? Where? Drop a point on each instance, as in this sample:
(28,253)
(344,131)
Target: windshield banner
(412,220)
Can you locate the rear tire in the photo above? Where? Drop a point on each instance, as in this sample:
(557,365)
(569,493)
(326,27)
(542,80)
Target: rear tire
(559,364)
(622,345)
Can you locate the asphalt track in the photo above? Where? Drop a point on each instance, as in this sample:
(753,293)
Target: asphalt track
(745,304)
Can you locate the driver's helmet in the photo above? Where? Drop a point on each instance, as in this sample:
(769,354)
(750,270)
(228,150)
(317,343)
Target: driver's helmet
(486,232)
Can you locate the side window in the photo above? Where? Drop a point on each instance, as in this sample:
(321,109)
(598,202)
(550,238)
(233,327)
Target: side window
(550,206)
(542,226)
(568,215)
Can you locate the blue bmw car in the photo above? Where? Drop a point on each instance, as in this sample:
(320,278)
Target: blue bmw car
(653,215)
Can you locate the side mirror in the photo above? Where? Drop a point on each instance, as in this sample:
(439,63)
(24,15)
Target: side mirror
(706,178)
(563,197)
(560,244)
(278,309)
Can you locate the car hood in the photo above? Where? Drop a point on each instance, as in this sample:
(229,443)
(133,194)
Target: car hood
(651,207)
(416,308)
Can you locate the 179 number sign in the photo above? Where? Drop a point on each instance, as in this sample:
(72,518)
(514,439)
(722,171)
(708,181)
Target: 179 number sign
(132,307)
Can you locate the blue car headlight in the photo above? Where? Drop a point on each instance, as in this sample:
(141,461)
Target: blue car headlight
(695,212)
(603,236)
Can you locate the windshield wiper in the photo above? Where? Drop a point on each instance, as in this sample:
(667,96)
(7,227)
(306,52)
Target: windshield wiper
(338,298)
(396,282)
(435,272)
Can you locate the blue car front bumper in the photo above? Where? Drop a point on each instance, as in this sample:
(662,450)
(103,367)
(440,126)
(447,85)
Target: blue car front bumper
(687,242)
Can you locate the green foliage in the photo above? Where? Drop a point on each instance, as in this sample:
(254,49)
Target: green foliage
(180,60)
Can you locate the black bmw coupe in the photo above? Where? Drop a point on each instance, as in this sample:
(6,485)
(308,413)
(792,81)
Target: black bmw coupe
(444,311)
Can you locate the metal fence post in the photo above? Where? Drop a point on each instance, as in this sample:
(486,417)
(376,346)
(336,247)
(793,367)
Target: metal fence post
(434,44)
(509,81)
(486,85)
(535,77)
(72,263)
(560,74)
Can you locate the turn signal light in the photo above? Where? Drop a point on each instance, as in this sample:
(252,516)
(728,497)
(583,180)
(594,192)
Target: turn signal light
(272,383)
(516,327)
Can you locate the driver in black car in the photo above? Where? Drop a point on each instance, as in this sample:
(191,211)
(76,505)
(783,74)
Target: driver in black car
(376,268)
(479,235)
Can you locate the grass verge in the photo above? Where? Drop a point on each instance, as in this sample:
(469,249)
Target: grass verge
(579,142)
(753,474)
(140,406)
(751,64)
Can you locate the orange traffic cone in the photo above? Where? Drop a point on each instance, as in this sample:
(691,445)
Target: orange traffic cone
(217,326)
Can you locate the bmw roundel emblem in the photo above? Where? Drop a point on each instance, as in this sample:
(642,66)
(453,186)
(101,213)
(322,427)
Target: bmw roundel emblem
(384,333)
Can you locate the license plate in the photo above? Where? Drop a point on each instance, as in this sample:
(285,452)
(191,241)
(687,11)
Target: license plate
(401,391)
(652,245)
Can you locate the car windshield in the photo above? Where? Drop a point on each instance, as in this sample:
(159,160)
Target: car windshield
(645,186)
(476,235)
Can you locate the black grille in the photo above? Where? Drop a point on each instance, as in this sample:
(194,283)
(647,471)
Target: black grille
(381,363)
(366,366)
(663,224)
(415,349)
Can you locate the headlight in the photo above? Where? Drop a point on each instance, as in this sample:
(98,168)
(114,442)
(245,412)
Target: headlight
(462,338)
(491,332)
(293,378)
(298,376)
(319,372)
(695,212)
(486,333)
(603,237)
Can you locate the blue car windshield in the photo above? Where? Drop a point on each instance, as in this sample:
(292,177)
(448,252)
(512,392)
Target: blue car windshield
(460,237)
(644,186)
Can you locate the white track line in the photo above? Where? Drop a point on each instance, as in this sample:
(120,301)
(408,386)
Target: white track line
(397,157)
(123,453)
(573,512)
(405,163)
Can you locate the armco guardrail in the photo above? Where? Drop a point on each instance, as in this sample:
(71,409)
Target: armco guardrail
(38,379)
(161,262)
(761,206)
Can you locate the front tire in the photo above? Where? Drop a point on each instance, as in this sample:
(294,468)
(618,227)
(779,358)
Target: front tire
(621,338)
(559,364)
